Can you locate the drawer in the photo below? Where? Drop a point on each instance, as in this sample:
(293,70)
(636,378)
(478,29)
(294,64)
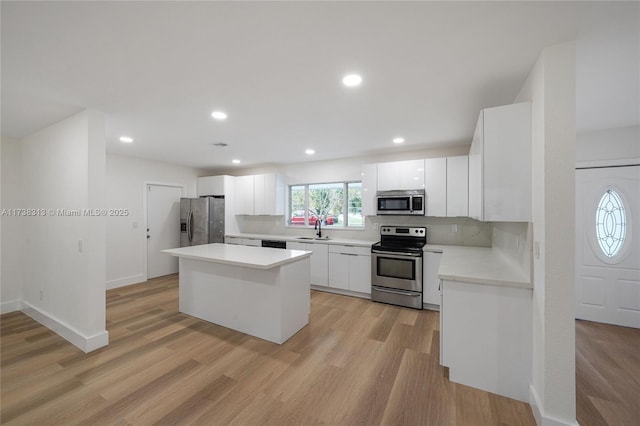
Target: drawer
(360,251)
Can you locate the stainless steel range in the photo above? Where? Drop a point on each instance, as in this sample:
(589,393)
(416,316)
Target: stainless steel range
(396,266)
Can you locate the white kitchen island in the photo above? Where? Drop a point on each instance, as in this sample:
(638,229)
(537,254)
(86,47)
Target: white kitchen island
(264,292)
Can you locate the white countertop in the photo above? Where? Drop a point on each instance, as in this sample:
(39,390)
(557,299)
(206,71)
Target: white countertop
(480,265)
(250,257)
(297,239)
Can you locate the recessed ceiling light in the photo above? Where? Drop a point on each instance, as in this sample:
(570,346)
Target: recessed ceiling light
(126,139)
(235,161)
(219,115)
(352,80)
(398,140)
(309,152)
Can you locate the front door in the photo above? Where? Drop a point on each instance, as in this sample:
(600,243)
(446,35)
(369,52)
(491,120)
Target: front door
(608,245)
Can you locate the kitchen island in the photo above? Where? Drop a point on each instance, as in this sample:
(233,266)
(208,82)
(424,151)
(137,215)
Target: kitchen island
(264,292)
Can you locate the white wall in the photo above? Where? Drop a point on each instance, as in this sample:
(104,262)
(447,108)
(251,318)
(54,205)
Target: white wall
(609,146)
(126,236)
(11,273)
(551,89)
(63,271)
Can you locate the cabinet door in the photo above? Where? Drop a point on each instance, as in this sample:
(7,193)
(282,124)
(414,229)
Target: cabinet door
(210,185)
(360,273)
(251,242)
(388,176)
(339,270)
(319,264)
(435,184)
(292,245)
(476,210)
(259,195)
(430,291)
(411,174)
(369,188)
(458,186)
(244,195)
(507,163)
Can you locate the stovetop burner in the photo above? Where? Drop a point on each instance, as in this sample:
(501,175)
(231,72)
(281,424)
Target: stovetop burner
(401,239)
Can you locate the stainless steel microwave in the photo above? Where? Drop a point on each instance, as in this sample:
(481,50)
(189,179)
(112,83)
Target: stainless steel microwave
(410,202)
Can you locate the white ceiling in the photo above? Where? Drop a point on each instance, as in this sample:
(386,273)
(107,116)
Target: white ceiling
(158,70)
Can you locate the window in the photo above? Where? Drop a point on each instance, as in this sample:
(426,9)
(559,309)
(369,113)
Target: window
(337,205)
(610,223)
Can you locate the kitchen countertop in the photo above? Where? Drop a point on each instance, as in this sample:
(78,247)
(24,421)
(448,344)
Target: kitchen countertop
(297,239)
(479,265)
(250,257)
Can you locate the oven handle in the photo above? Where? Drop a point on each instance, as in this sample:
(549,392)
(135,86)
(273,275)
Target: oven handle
(395,256)
(404,293)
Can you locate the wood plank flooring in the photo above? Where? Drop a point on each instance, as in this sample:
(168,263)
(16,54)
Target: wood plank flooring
(356,363)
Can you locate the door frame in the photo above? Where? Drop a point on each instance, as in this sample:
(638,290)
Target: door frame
(145,184)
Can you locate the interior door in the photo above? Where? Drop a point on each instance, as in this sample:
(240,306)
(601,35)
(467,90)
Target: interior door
(607,245)
(163,229)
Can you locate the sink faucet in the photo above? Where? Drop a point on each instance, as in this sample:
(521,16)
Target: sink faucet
(318,227)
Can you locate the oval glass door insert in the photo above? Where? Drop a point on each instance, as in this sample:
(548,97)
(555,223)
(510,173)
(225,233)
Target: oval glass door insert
(611,223)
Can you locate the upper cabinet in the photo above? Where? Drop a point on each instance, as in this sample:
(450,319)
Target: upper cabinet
(435,186)
(401,175)
(458,186)
(446,186)
(500,165)
(260,194)
(369,188)
(214,185)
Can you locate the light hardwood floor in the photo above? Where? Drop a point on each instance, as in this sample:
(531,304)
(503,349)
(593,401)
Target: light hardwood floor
(356,363)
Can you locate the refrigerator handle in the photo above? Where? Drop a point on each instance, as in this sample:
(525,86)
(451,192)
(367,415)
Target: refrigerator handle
(190,226)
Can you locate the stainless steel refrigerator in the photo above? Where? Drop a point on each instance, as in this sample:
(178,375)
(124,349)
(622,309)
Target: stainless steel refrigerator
(201,221)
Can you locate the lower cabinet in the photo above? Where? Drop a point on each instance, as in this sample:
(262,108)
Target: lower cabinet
(493,323)
(319,260)
(431,282)
(350,268)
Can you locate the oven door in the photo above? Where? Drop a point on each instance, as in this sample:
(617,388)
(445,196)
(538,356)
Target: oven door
(394,270)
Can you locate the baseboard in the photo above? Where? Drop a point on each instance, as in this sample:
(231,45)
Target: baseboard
(84,343)
(10,306)
(340,291)
(538,412)
(122,282)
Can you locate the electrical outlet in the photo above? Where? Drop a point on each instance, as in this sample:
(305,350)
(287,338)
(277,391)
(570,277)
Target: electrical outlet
(454,228)
(517,242)
(79,246)
(41,294)
(376,225)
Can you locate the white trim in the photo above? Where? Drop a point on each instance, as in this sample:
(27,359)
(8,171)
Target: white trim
(608,163)
(10,306)
(122,282)
(145,255)
(538,412)
(85,343)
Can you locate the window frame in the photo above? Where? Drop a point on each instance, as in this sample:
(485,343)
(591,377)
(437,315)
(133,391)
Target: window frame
(345,205)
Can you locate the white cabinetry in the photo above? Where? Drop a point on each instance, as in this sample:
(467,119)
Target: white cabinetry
(500,165)
(493,323)
(447,186)
(369,188)
(350,268)
(435,185)
(401,175)
(244,195)
(458,186)
(431,283)
(212,185)
(319,260)
(260,194)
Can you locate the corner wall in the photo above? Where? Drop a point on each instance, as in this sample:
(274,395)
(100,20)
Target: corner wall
(551,89)
(63,271)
